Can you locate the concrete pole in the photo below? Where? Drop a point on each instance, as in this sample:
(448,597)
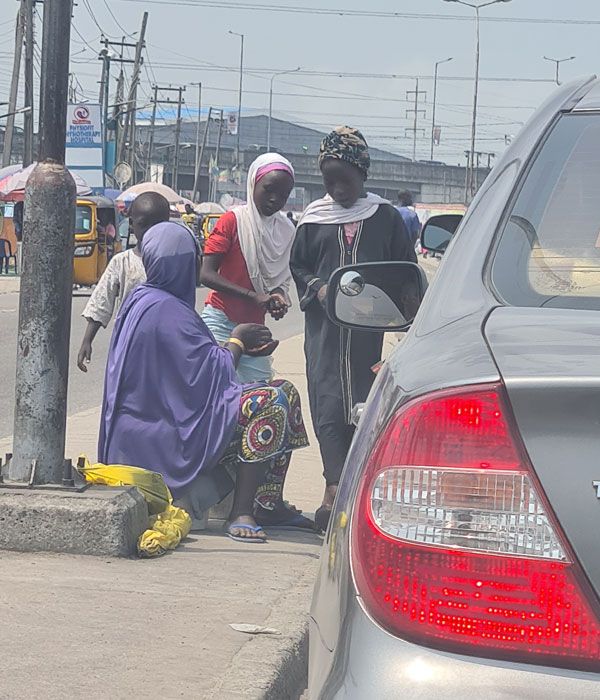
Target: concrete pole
(200,156)
(198,130)
(151,138)
(275,75)
(471,172)
(14,86)
(28,118)
(416,119)
(177,139)
(47,279)
(129,127)
(44,63)
(433,115)
(270,113)
(241,91)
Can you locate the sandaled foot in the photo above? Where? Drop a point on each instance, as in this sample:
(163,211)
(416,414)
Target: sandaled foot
(244,529)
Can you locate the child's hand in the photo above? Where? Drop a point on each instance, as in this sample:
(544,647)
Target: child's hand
(85,355)
(278,306)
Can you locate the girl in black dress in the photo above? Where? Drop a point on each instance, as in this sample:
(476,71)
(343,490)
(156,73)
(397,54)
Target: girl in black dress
(347,226)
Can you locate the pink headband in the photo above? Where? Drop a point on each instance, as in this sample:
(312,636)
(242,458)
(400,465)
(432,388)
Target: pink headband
(266,169)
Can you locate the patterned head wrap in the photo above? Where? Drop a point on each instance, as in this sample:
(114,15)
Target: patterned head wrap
(345,143)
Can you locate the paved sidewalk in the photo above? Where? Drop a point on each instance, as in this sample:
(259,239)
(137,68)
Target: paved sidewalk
(87,627)
(9,285)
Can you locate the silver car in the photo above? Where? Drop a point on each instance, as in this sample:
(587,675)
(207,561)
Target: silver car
(463,554)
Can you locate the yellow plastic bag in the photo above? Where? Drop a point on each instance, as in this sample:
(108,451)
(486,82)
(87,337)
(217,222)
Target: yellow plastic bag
(166,532)
(168,525)
(150,484)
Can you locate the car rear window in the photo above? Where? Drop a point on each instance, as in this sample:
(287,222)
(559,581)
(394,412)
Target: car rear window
(549,250)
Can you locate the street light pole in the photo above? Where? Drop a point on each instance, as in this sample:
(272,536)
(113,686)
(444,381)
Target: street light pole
(239,126)
(477,7)
(558,61)
(275,75)
(435,79)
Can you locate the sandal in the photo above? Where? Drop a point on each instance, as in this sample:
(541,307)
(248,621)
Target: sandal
(286,518)
(322,517)
(251,528)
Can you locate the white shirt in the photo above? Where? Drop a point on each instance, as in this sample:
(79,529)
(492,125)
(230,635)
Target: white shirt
(123,274)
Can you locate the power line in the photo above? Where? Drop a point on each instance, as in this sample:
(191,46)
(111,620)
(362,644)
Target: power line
(116,21)
(343,12)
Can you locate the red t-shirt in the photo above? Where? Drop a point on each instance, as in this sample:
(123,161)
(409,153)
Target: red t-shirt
(224,240)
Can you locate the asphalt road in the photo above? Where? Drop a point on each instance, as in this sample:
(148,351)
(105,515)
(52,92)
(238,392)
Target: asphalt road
(85,390)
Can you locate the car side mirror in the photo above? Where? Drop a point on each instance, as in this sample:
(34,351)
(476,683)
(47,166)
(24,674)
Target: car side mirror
(381,296)
(438,231)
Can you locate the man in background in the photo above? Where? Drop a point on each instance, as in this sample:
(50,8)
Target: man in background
(409,215)
(190,219)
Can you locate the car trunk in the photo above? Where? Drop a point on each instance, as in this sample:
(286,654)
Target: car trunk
(549,360)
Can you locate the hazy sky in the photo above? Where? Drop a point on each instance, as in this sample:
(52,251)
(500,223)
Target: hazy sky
(188,43)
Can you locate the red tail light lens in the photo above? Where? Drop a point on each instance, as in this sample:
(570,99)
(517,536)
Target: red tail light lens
(453,545)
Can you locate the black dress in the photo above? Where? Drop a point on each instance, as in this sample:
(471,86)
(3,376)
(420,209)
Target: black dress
(338,361)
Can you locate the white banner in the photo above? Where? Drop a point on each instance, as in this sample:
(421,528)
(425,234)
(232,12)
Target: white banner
(232,123)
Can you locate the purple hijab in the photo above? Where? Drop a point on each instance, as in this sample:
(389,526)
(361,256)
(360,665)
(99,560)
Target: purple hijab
(171,397)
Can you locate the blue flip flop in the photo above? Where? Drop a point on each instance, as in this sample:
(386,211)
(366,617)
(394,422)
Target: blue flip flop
(251,528)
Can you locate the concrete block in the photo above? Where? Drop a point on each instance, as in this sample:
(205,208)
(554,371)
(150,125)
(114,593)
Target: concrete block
(101,521)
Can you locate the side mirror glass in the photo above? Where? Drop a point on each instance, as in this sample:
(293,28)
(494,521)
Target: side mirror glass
(438,231)
(376,296)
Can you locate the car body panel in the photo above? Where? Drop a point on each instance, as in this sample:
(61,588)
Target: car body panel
(549,360)
(370,663)
(350,655)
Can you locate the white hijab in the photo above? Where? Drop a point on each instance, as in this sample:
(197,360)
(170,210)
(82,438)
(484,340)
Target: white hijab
(266,241)
(327,211)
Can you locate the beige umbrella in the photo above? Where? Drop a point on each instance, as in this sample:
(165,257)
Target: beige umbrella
(132,192)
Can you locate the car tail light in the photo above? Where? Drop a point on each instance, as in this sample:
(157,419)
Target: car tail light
(454,545)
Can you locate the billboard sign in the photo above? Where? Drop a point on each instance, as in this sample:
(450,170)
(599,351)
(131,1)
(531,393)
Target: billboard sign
(84,146)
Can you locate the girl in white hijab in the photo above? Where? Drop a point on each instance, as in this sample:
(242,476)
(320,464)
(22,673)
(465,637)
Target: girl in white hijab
(246,260)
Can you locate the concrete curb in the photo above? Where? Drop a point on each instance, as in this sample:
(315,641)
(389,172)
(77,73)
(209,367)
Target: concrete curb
(270,667)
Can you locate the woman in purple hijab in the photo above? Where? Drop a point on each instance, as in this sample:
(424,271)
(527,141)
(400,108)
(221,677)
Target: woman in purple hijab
(173,404)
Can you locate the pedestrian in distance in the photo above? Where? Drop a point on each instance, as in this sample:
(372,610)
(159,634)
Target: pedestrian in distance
(246,260)
(409,215)
(173,404)
(123,274)
(189,218)
(347,226)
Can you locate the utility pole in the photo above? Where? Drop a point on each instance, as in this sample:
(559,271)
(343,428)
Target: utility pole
(180,90)
(477,7)
(47,279)
(433,110)
(199,159)
(156,101)
(118,111)
(415,112)
(242,37)
(44,62)
(275,75)
(28,116)
(198,130)
(214,179)
(128,151)
(14,86)
(105,90)
(151,139)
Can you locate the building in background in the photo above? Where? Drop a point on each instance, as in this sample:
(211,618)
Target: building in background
(390,172)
